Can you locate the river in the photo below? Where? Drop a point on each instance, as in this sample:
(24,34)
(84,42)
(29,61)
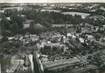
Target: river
(83,15)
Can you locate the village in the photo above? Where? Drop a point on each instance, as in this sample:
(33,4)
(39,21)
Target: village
(64,39)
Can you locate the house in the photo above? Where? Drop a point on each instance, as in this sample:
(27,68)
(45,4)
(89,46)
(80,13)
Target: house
(81,40)
(27,23)
(37,27)
(8,18)
(90,37)
(1,11)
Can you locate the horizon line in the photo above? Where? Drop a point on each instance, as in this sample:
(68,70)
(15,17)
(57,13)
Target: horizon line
(52,1)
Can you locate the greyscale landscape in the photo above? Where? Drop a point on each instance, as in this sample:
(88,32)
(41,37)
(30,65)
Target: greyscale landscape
(52,38)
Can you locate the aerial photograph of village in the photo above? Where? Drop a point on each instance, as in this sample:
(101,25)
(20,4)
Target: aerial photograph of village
(52,37)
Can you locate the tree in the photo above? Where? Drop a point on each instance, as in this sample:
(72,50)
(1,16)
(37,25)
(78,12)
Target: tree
(16,23)
(5,26)
(14,28)
(9,12)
